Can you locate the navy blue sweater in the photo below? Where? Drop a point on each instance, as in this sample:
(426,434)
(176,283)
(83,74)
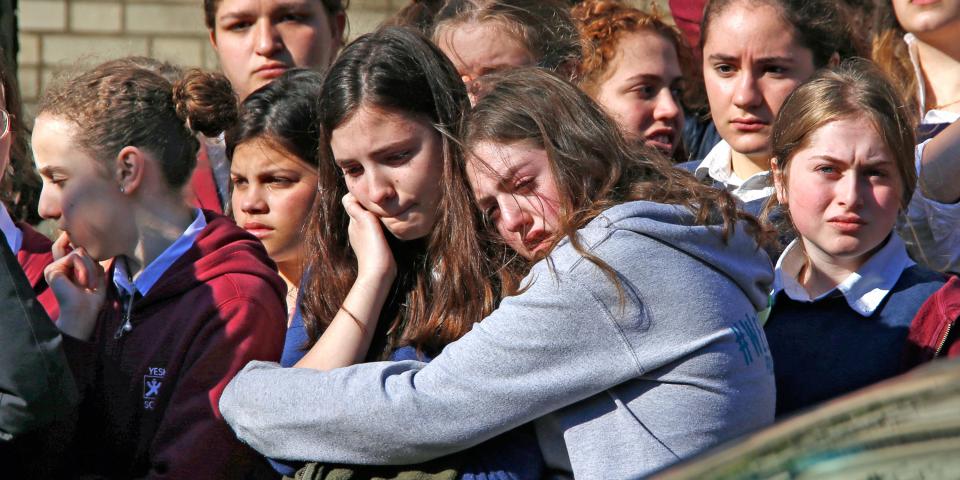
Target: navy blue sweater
(825,349)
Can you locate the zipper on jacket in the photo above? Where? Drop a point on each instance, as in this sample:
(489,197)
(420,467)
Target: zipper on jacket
(125,325)
(943,341)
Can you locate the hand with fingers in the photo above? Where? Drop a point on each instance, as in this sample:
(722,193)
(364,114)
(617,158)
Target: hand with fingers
(375,262)
(79,283)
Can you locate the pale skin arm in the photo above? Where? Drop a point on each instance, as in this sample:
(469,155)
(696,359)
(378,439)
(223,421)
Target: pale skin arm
(940,166)
(79,283)
(346,340)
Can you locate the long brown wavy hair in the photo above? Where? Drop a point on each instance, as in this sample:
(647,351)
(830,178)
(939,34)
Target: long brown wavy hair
(443,285)
(594,166)
(892,55)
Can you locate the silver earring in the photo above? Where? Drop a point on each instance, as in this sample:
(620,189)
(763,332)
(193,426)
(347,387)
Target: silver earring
(122,190)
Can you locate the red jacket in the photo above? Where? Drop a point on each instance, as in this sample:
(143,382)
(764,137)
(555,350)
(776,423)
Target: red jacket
(34,256)
(150,395)
(934,331)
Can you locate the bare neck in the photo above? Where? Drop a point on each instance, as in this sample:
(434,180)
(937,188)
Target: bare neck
(745,166)
(159,224)
(940,61)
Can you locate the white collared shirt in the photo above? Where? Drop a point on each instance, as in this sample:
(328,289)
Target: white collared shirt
(864,290)
(10,230)
(149,276)
(718,165)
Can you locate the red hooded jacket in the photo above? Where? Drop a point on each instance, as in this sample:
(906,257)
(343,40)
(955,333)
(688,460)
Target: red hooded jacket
(934,332)
(34,256)
(150,395)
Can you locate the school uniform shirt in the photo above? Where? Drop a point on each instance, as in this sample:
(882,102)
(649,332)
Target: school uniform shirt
(165,346)
(33,252)
(718,166)
(849,337)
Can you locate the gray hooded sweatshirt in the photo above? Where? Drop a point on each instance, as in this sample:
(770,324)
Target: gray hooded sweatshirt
(616,390)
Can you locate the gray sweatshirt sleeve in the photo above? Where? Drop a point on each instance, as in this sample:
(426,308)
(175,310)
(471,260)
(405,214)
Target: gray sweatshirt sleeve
(553,345)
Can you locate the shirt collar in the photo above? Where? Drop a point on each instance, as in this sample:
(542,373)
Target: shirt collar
(717,165)
(10,230)
(864,290)
(152,273)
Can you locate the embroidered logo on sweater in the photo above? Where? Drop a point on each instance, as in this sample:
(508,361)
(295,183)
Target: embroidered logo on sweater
(752,342)
(151,386)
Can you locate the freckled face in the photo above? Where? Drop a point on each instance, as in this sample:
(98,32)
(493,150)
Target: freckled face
(393,164)
(273,191)
(79,193)
(843,192)
(642,90)
(516,190)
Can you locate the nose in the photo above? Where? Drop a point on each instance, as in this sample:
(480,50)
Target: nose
(380,187)
(268,39)
(252,200)
(746,91)
(666,108)
(512,217)
(49,206)
(849,190)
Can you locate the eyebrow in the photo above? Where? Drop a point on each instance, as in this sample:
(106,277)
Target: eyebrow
(49,171)
(502,181)
(719,57)
(645,76)
(282,7)
(402,143)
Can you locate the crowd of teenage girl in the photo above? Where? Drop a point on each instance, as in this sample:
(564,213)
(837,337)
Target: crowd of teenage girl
(505,239)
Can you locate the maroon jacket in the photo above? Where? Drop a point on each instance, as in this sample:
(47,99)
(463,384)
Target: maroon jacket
(150,395)
(934,331)
(34,256)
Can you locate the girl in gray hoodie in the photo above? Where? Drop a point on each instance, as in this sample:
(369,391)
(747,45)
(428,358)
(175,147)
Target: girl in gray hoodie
(632,342)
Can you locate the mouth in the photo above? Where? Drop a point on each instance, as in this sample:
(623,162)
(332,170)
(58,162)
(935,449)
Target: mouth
(847,223)
(258,230)
(662,139)
(400,213)
(748,125)
(271,70)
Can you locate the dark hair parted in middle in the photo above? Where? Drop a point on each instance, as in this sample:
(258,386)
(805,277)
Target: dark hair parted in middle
(819,25)
(284,112)
(443,285)
(593,165)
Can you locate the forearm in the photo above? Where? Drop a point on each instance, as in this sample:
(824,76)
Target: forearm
(940,166)
(347,338)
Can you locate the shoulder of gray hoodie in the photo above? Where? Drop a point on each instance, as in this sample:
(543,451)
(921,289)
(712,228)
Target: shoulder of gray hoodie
(616,389)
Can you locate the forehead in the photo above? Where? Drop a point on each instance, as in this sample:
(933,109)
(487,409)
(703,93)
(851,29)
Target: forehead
(261,154)
(474,46)
(847,139)
(230,7)
(489,162)
(370,128)
(746,26)
(645,53)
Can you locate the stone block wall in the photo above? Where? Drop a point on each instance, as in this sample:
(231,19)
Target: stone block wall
(57,35)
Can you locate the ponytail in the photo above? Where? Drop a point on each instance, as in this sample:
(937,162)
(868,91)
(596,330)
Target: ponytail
(205,102)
